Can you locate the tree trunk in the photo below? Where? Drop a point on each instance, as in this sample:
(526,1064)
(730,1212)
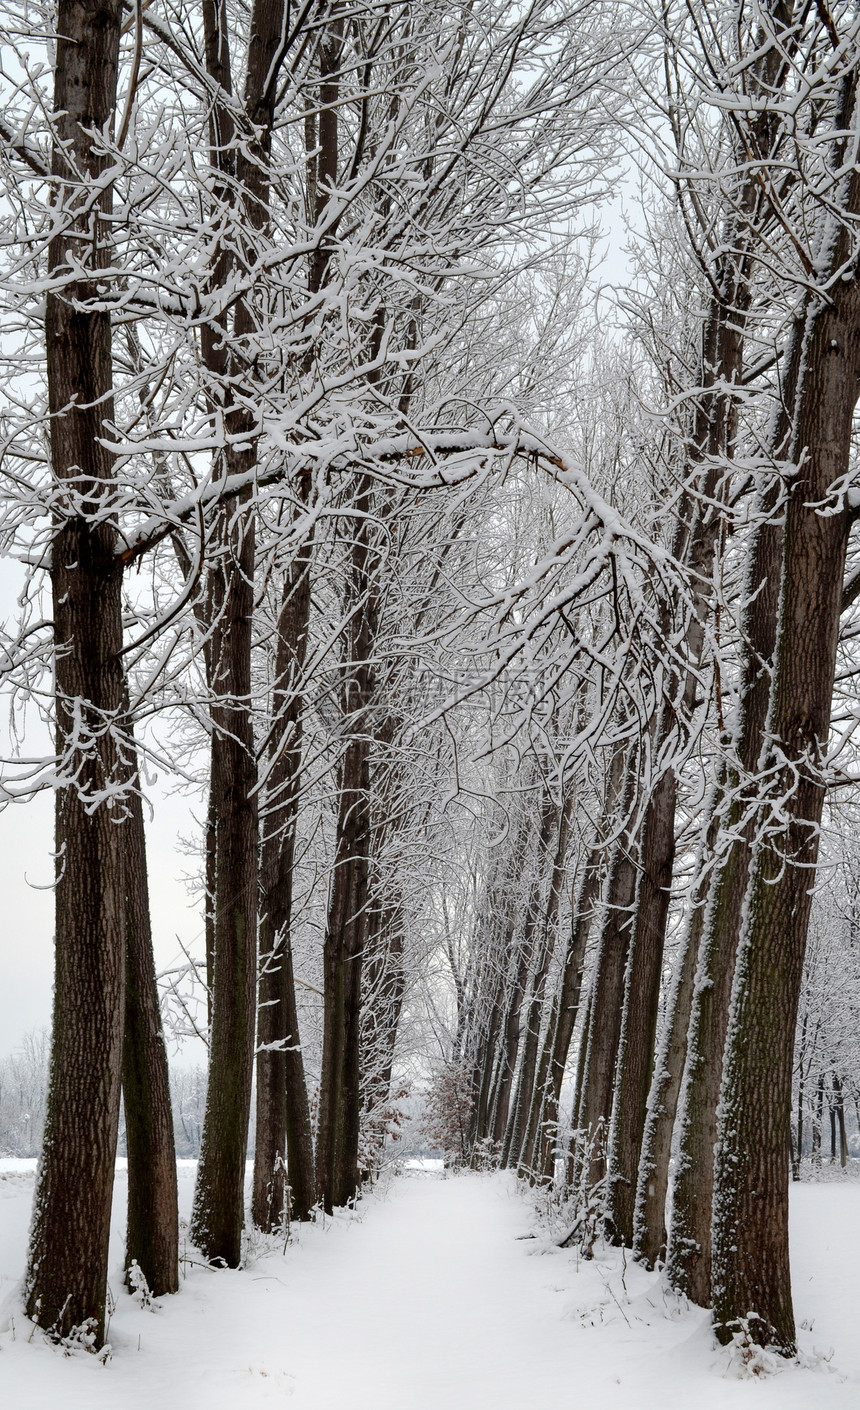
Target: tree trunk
(510,1041)
(337,1175)
(697,533)
(152,1240)
(498,928)
(688,1256)
(839,1108)
(210,872)
(486,1065)
(641,1009)
(551,821)
(66,1277)
(607,993)
(798,1156)
(284,1134)
(218,1213)
(340,1085)
(385,984)
(544,1121)
(751,1276)
(649,1227)
(688,1260)
(816,1121)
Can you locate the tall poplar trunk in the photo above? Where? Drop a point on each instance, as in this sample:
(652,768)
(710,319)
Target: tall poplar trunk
(710,445)
(649,1225)
(607,992)
(485,1067)
(509,1037)
(504,1116)
(66,1280)
(218,1214)
(498,928)
(751,1275)
(284,1134)
(152,1239)
(689,1244)
(526,1083)
(543,1123)
(688,1258)
(385,984)
(544,1118)
(688,1254)
(640,1008)
(337,1175)
(283,1119)
(696,540)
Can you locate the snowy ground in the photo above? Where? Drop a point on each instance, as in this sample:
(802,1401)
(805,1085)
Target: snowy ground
(431,1299)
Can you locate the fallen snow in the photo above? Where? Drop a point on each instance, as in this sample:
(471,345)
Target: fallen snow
(433,1297)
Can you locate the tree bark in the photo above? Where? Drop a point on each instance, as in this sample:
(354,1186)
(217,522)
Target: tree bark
(544,1120)
(640,1009)
(152,1240)
(510,1038)
(649,1227)
(219,1202)
(688,1259)
(66,1278)
(385,985)
(218,1214)
(284,1134)
(340,1085)
(337,1175)
(551,821)
(607,992)
(751,1276)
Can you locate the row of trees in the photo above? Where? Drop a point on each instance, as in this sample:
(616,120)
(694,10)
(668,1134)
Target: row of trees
(264,247)
(488,632)
(24,1089)
(717,787)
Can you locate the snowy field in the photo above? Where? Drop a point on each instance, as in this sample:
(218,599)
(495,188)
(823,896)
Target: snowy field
(430,1298)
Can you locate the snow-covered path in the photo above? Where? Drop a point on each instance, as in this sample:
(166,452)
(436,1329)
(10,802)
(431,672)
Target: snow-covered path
(431,1299)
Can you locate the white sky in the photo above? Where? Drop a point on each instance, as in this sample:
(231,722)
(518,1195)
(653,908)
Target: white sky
(26,869)
(26,935)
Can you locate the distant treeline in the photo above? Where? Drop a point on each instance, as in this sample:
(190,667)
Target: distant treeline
(24,1085)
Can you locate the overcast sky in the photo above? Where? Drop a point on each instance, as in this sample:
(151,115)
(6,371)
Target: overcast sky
(27,930)
(26,873)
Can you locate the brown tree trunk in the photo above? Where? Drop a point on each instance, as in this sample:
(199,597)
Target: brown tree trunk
(498,930)
(218,1212)
(696,538)
(529,1083)
(607,993)
(66,1277)
(641,1009)
(688,1259)
(486,1064)
(385,984)
(751,1276)
(551,821)
(152,1240)
(210,872)
(839,1107)
(649,1228)
(337,1175)
(544,1133)
(284,1134)
(510,1037)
